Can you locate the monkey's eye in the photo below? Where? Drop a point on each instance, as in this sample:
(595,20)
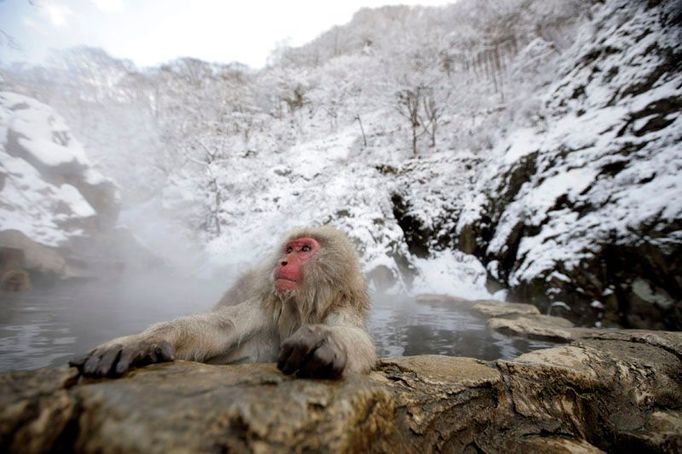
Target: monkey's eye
(305,248)
(289,249)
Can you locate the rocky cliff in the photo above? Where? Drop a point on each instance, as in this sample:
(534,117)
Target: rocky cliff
(585,207)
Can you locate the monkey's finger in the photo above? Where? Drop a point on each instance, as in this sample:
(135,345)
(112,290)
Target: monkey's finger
(150,356)
(79,360)
(90,366)
(315,363)
(124,361)
(335,368)
(108,360)
(166,351)
(161,352)
(131,356)
(324,363)
(303,350)
(154,354)
(145,353)
(284,354)
(294,361)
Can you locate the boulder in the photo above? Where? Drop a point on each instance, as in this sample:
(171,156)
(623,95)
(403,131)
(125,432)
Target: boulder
(612,391)
(533,326)
(499,309)
(36,258)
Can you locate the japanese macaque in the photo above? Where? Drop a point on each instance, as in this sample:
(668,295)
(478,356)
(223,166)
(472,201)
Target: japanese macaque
(305,308)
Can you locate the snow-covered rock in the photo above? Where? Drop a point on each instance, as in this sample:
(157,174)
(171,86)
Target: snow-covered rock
(49,191)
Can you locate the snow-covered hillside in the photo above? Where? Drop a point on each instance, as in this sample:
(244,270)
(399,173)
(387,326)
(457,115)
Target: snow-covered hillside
(529,143)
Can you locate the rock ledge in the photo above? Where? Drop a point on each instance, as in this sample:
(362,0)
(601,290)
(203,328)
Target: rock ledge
(609,391)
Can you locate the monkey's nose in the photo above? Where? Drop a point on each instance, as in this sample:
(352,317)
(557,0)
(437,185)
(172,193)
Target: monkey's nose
(284,263)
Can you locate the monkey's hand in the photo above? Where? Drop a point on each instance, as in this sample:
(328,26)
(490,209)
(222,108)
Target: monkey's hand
(116,357)
(312,352)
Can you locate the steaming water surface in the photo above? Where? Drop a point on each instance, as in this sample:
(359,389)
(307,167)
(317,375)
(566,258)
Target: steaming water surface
(43,328)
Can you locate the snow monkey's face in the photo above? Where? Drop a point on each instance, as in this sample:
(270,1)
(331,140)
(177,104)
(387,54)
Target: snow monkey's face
(289,271)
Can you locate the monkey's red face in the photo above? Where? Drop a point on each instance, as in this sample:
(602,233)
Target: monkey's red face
(289,270)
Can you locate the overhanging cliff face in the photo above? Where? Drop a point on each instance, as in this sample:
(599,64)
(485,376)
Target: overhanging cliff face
(51,191)
(585,207)
(611,391)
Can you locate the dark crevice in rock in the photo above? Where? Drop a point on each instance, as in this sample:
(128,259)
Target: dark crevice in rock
(66,441)
(520,173)
(417,236)
(613,168)
(658,111)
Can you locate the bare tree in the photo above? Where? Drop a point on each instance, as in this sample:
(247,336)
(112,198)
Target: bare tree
(211,161)
(409,101)
(359,120)
(432,112)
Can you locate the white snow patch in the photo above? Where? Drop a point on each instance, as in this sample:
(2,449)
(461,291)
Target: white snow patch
(522,142)
(78,205)
(597,305)
(451,273)
(47,152)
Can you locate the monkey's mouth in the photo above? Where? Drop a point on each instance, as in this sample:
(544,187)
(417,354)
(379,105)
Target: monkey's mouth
(282,285)
(285,283)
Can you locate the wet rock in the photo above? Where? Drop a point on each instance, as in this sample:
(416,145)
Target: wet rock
(623,384)
(36,409)
(608,392)
(440,299)
(36,258)
(523,320)
(498,309)
(533,326)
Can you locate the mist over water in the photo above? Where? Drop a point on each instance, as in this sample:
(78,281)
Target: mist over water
(45,327)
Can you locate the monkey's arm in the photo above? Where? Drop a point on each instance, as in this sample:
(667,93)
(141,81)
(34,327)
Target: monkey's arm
(195,337)
(349,332)
(339,346)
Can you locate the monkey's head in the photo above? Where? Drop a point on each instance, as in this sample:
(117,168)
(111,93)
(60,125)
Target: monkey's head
(318,263)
